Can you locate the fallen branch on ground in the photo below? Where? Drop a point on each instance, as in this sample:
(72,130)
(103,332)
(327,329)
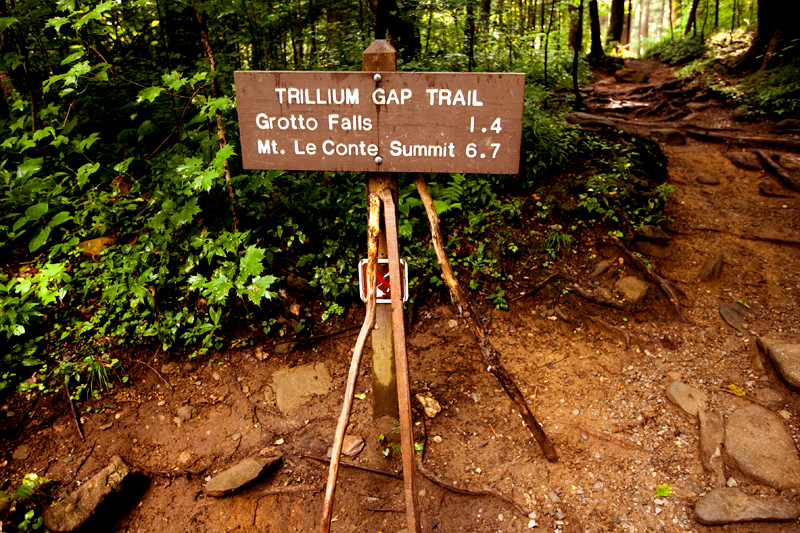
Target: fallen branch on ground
(355,466)
(606,437)
(491,359)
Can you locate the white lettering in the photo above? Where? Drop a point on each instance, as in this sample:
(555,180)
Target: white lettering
(475,101)
(283,123)
(332,121)
(372,149)
(308,100)
(280,91)
(444,94)
(352,96)
(405,94)
(297,149)
(311,148)
(325,150)
(378,97)
(263,147)
(367,124)
(319,99)
(395,148)
(432,92)
(308,123)
(262,121)
(459,97)
(392,96)
(294,94)
(337,101)
(346,126)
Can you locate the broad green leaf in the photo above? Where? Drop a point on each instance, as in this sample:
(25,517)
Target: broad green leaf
(21,221)
(150,94)
(123,166)
(85,171)
(29,167)
(44,132)
(186,214)
(57,22)
(218,287)
(88,141)
(6,22)
(35,212)
(72,57)
(258,289)
(60,218)
(251,263)
(39,238)
(66,5)
(224,153)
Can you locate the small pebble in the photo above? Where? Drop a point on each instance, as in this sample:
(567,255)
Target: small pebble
(554,497)
(532,524)
(237,436)
(500,517)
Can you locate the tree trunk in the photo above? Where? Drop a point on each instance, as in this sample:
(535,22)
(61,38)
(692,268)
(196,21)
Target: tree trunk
(716,14)
(645,29)
(692,21)
(594,23)
(617,20)
(626,37)
(486,9)
(776,41)
(470,35)
(578,46)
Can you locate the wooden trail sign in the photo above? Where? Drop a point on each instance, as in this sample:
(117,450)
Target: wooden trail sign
(381,122)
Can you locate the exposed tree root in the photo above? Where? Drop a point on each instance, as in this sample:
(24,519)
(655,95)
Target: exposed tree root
(662,283)
(772,167)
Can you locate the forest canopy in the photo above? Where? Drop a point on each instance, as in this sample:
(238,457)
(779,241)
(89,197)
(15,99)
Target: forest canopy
(126,217)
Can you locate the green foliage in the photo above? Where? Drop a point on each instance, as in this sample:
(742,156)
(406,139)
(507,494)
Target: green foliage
(663,490)
(124,221)
(678,51)
(498,299)
(774,92)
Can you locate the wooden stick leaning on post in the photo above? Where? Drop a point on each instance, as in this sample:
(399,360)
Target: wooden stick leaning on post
(490,356)
(401,364)
(373,230)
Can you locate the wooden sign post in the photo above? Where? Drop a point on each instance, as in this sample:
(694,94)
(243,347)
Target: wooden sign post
(382,122)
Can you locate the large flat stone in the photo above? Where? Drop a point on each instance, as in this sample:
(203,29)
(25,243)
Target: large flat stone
(757,442)
(729,506)
(632,288)
(75,509)
(240,475)
(712,437)
(688,398)
(296,386)
(786,358)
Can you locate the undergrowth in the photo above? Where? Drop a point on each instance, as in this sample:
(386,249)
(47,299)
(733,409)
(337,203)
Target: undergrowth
(118,225)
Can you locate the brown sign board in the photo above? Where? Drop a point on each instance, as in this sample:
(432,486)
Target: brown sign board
(403,122)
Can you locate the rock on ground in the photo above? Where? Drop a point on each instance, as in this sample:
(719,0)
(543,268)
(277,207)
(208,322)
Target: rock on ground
(628,75)
(239,475)
(712,437)
(75,509)
(728,506)
(785,357)
(757,442)
(632,288)
(687,397)
(295,386)
(734,314)
(669,136)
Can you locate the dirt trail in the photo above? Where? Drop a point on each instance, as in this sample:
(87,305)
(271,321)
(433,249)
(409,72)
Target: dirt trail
(599,388)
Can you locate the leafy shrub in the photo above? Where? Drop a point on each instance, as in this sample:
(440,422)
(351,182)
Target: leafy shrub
(677,52)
